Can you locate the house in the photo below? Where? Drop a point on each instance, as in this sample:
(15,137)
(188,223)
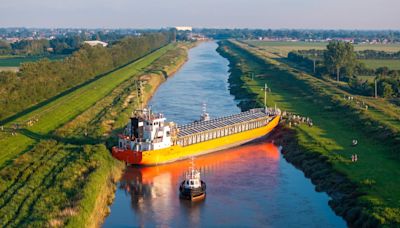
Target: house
(96,42)
(183,28)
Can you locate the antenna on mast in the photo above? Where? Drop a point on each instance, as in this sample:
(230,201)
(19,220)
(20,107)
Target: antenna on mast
(204,116)
(265,95)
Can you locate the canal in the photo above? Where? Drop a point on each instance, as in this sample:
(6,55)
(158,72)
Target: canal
(249,186)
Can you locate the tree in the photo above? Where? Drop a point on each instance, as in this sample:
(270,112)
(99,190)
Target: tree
(383,71)
(5,48)
(387,90)
(340,55)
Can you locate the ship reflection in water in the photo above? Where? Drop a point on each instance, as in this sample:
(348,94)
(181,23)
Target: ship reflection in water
(245,186)
(220,170)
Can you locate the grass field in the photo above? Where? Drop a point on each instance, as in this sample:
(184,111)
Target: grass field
(393,64)
(65,177)
(283,48)
(15,61)
(334,129)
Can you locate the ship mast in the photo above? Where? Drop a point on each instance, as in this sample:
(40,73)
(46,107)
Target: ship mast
(265,96)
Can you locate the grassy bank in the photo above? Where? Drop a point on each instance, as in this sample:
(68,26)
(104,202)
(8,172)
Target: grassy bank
(365,192)
(65,175)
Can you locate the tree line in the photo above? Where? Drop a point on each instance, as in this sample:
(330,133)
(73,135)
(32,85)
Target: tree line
(61,45)
(65,44)
(364,54)
(301,34)
(37,81)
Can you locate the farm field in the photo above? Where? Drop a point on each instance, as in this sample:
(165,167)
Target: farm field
(65,176)
(14,69)
(15,61)
(283,48)
(330,136)
(393,64)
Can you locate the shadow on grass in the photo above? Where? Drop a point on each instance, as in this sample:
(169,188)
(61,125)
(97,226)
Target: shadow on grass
(155,71)
(73,141)
(10,160)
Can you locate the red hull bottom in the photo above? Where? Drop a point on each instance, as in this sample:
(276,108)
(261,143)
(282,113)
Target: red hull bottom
(129,156)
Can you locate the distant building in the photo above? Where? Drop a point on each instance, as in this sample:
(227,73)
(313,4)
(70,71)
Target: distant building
(12,39)
(96,42)
(349,40)
(198,37)
(183,28)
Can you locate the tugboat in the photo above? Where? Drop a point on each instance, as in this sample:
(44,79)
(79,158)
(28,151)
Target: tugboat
(192,188)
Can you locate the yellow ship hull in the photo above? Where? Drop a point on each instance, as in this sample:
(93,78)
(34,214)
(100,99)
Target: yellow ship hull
(176,152)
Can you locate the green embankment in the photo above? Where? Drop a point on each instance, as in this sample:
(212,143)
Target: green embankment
(365,192)
(62,110)
(68,177)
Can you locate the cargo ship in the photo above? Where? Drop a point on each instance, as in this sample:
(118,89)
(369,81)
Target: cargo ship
(149,140)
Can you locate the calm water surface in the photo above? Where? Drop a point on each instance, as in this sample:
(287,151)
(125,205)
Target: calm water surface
(247,186)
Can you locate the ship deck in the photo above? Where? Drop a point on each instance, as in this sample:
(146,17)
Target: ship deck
(221,122)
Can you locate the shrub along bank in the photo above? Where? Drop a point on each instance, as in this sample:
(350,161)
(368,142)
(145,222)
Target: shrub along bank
(364,193)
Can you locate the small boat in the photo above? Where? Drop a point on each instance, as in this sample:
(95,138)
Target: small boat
(192,188)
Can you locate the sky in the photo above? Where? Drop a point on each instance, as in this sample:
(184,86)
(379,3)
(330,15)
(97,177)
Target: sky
(275,14)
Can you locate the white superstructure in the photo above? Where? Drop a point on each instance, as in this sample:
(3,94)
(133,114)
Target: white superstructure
(147,131)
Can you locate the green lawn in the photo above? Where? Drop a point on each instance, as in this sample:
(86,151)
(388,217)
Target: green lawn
(334,128)
(64,109)
(393,64)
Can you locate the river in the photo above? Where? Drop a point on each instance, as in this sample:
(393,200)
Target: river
(247,186)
